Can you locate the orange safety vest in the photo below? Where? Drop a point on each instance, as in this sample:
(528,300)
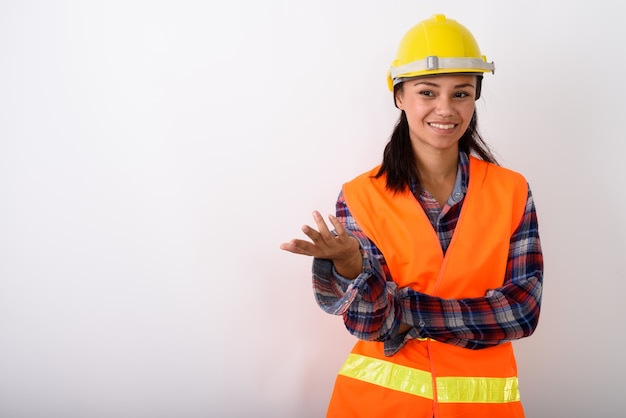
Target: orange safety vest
(428,378)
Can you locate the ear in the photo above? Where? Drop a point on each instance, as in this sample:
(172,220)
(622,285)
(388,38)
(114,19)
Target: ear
(398,96)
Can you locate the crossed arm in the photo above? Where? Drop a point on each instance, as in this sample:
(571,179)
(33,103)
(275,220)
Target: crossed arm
(351,278)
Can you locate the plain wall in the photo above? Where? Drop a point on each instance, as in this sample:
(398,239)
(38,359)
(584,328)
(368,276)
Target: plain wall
(154,155)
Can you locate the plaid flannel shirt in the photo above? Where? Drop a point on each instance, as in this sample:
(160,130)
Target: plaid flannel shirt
(373,307)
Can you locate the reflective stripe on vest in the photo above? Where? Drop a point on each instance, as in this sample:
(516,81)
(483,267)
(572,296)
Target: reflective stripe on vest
(419,382)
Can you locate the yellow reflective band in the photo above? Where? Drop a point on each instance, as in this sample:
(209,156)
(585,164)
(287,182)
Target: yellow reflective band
(477,389)
(419,382)
(388,375)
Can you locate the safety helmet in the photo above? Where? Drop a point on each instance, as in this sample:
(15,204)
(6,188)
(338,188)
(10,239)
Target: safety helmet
(437,46)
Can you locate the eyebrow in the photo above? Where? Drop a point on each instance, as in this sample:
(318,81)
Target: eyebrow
(458,86)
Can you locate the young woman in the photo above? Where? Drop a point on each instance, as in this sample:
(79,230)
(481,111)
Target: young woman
(434,260)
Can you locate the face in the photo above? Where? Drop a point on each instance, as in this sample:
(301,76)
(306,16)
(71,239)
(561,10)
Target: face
(438,109)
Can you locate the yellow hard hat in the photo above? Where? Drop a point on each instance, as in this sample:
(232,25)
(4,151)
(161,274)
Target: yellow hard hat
(437,46)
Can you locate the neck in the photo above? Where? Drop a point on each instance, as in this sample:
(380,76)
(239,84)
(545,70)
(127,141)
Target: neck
(438,174)
(437,167)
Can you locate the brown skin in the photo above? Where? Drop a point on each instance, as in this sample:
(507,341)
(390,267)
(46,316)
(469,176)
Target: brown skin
(342,249)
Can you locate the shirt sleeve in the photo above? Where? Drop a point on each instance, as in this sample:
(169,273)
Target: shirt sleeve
(504,314)
(367,303)
(373,307)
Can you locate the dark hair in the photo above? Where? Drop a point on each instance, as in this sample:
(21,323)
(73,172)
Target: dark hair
(399,161)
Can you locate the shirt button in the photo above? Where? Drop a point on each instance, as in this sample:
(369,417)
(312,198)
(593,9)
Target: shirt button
(421,324)
(457,195)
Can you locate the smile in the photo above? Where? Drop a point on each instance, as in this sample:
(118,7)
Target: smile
(442,126)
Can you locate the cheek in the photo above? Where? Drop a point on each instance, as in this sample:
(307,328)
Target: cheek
(467,113)
(415,118)
(416,109)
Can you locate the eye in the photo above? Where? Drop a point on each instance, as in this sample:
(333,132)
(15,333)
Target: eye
(461,94)
(427,93)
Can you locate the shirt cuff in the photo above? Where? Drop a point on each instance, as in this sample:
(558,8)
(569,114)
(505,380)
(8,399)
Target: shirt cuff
(335,293)
(393,345)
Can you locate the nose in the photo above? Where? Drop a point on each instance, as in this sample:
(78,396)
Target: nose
(445,107)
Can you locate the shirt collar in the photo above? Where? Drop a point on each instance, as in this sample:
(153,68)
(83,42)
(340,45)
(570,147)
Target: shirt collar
(461,182)
(462,178)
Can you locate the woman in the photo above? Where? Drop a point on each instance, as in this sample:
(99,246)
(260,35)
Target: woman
(435,260)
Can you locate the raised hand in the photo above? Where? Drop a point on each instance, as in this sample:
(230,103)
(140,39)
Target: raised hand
(341,248)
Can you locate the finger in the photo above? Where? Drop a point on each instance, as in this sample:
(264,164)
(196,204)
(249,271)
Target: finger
(312,233)
(339,228)
(324,232)
(298,246)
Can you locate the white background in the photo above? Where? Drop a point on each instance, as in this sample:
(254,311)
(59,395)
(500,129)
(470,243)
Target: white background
(154,155)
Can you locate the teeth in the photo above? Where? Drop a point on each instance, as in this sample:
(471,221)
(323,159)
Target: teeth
(440,126)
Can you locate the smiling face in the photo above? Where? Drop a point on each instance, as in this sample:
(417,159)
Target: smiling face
(438,110)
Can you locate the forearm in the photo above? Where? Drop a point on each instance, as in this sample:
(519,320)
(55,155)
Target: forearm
(505,314)
(374,315)
(367,303)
